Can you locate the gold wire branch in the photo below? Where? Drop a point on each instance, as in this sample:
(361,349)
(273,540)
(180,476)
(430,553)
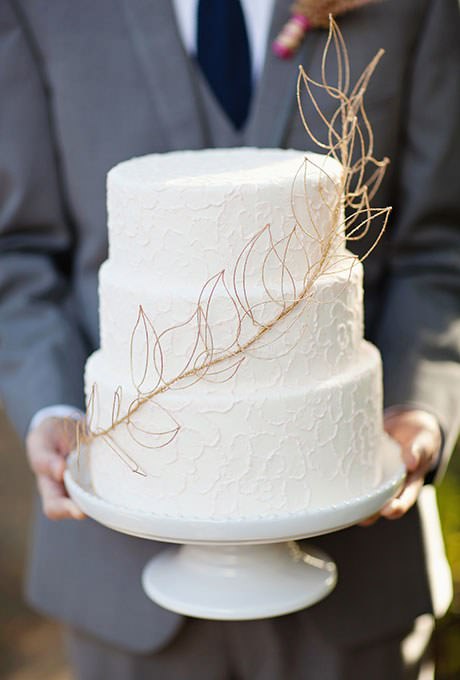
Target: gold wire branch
(348,140)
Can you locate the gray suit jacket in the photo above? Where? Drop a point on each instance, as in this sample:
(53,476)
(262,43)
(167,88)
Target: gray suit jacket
(84,85)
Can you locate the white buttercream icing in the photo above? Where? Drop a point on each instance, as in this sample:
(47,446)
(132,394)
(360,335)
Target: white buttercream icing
(300,422)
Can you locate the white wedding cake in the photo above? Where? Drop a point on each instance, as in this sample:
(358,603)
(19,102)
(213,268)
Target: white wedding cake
(206,248)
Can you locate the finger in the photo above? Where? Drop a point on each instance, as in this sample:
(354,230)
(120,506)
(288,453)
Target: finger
(419,447)
(62,508)
(66,435)
(418,452)
(45,461)
(398,506)
(56,503)
(58,433)
(369,521)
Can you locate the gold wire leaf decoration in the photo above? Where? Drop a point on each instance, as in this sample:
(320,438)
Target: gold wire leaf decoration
(163,427)
(110,441)
(146,349)
(116,405)
(192,334)
(258,315)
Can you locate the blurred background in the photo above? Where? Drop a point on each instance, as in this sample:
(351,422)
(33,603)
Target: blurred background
(31,646)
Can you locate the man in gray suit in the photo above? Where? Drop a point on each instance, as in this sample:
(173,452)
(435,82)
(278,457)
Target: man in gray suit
(84,85)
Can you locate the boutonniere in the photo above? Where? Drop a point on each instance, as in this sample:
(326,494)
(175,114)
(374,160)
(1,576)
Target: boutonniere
(308,14)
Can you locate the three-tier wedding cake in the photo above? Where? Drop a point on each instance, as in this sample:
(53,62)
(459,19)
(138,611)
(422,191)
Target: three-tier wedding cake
(233,380)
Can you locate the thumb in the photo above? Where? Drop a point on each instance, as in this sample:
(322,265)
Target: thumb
(417,451)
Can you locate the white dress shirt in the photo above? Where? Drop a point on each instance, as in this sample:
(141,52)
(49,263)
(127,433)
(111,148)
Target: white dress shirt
(257,14)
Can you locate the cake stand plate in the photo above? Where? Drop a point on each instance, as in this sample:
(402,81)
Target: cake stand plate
(238,569)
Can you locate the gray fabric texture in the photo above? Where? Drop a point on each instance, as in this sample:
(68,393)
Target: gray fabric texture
(84,85)
(273,649)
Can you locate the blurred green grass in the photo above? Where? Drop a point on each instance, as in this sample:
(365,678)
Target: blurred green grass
(447,638)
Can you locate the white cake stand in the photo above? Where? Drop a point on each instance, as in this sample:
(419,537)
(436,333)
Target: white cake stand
(238,569)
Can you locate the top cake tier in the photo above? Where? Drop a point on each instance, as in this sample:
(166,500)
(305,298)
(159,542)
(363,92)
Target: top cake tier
(182,217)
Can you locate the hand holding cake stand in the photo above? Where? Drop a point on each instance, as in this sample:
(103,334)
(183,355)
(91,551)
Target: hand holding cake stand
(238,569)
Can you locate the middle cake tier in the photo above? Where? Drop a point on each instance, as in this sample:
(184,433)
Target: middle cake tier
(145,332)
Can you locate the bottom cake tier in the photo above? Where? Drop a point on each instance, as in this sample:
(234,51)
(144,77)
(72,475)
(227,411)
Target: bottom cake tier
(239,455)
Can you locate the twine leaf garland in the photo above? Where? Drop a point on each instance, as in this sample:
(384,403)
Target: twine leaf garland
(349,140)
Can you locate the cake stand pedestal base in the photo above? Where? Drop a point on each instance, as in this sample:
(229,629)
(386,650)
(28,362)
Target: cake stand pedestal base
(237,582)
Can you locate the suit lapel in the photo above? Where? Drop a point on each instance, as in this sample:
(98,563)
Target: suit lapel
(169,75)
(275,97)
(167,70)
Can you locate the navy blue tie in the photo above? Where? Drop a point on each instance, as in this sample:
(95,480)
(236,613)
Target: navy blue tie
(223,54)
